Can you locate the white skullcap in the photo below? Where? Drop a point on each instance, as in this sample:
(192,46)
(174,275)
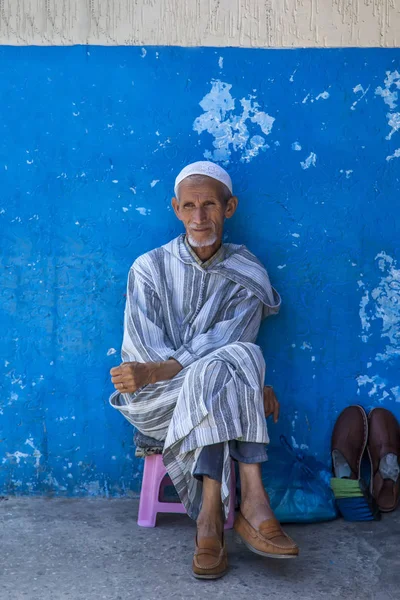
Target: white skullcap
(204,167)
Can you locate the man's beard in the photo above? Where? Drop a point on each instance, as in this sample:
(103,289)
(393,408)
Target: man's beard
(204,243)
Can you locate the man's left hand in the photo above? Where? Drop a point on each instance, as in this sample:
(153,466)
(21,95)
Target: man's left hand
(271,404)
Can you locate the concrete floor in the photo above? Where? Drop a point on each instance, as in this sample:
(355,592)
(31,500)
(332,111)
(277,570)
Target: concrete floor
(86,549)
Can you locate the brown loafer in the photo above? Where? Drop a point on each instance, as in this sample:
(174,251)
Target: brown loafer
(270,540)
(384,453)
(349,440)
(210,559)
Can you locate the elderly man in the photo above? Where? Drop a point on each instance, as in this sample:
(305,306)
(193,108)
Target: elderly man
(192,375)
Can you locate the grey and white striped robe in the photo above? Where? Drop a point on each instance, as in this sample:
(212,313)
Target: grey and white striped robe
(207,317)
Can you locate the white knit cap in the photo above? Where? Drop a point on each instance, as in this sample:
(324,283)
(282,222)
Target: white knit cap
(204,167)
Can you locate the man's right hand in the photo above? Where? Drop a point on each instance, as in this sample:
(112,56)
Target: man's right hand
(131,376)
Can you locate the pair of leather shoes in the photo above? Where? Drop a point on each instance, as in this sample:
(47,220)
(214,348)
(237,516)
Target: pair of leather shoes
(211,560)
(379,435)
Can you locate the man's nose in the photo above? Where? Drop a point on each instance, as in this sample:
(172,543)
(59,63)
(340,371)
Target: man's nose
(199,215)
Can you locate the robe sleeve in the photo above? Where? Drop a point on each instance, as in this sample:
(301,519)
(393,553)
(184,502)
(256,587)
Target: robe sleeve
(239,321)
(145,338)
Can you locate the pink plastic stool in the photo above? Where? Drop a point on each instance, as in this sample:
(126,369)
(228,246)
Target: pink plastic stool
(149,505)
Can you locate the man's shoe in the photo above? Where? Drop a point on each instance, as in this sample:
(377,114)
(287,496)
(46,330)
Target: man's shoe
(270,540)
(384,453)
(210,559)
(349,440)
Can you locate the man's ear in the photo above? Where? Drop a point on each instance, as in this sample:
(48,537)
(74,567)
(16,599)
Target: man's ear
(231,207)
(176,207)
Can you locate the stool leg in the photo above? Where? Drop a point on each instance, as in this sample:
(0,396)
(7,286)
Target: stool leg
(232,499)
(152,473)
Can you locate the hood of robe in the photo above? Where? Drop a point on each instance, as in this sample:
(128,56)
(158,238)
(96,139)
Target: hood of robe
(238,264)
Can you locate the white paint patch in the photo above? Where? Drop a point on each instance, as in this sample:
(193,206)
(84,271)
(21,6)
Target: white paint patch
(93,487)
(347,173)
(390,97)
(389,92)
(296,446)
(133,190)
(13,398)
(310,161)
(369,365)
(125,209)
(382,303)
(292,76)
(396,393)
(376,383)
(231,131)
(306,346)
(396,154)
(365,325)
(296,146)
(154,182)
(321,96)
(359,89)
(144,52)
(111,351)
(143,211)
(115,181)
(221,62)
(394,123)
(36,453)
(52,482)
(16,455)
(296,235)
(281,266)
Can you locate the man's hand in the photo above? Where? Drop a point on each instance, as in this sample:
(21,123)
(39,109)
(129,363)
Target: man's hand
(271,404)
(130,376)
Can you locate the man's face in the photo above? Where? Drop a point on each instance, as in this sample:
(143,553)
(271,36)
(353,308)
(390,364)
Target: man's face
(202,211)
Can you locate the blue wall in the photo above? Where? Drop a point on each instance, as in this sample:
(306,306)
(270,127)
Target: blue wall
(91,140)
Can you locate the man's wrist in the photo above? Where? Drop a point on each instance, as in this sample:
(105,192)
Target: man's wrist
(153,371)
(161,371)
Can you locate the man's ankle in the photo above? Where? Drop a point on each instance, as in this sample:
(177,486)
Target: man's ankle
(210,524)
(255,511)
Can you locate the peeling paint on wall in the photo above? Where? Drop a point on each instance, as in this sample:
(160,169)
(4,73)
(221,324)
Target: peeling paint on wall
(316,203)
(229,129)
(381,305)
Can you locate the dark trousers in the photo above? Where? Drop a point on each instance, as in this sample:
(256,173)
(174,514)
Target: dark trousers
(210,460)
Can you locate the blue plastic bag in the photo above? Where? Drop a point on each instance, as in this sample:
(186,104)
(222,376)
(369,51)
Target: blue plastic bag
(298,485)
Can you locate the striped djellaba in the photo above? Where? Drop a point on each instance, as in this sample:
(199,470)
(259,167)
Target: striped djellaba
(206,316)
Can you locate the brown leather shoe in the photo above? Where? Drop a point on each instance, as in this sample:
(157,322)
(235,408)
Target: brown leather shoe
(349,440)
(384,454)
(270,540)
(210,559)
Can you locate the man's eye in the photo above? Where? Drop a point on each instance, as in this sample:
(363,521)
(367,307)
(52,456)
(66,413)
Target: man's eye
(188,206)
